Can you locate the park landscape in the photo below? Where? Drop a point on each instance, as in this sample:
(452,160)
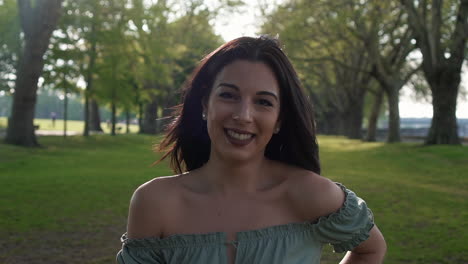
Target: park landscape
(66,186)
(67,202)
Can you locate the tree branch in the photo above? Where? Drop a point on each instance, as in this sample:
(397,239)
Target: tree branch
(435,32)
(419,31)
(459,35)
(409,74)
(334,60)
(25,14)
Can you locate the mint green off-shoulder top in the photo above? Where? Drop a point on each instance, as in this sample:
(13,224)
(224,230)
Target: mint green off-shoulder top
(295,243)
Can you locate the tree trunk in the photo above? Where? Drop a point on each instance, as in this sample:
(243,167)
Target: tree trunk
(352,118)
(329,123)
(37,23)
(65,113)
(353,122)
(89,82)
(127,123)
(374,116)
(394,115)
(140,118)
(392,85)
(113,118)
(444,129)
(149,118)
(95,122)
(341,125)
(86,113)
(442,72)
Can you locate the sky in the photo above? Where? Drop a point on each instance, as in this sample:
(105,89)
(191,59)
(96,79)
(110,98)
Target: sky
(246,24)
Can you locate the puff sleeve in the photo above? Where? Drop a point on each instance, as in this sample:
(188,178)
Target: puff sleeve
(348,227)
(136,251)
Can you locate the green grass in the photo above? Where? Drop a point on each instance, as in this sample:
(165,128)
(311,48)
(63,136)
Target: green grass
(3,123)
(72,186)
(418,194)
(88,174)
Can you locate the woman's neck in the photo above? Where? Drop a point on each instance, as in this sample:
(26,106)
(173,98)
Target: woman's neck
(231,178)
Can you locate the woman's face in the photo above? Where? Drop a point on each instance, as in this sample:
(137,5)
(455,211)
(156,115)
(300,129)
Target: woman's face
(242,110)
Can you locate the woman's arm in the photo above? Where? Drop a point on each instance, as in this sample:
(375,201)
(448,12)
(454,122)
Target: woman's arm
(371,251)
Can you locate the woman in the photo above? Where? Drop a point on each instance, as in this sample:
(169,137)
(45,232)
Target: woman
(251,191)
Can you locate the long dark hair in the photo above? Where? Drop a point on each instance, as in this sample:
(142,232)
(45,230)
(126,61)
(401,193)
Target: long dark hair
(187,142)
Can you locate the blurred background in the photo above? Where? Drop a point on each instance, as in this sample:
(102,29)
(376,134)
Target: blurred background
(86,87)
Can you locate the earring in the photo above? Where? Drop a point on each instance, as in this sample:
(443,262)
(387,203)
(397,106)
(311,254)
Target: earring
(203,116)
(277,129)
(235,117)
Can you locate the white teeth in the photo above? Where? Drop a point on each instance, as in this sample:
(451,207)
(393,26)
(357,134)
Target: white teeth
(238,136)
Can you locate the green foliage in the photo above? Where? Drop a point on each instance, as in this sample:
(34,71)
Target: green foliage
(133,52)
(167,44)
(196,39)
(76,184)
(331,60)
(309,32)
(10,43)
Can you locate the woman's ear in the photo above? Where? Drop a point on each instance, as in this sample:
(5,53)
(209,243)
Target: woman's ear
(204,108)
(277,127)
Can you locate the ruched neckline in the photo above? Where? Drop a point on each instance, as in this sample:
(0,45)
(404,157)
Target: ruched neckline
(215,238)
(292,243)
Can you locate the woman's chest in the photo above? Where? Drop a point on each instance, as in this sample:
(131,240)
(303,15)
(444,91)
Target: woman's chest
(207,215)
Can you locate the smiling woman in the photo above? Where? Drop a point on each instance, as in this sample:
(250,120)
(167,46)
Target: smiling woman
(249,189)
(242,111)
(295,144)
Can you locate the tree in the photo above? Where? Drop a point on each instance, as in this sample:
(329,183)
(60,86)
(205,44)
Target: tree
(61,70)
(382,27)
(38,21)
(79,28)
(114,60)
(441,32)
(378,96)
(166,52)
(332,63)
(151,69)
(10,43)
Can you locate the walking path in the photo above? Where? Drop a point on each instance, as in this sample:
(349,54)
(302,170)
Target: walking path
(55,133)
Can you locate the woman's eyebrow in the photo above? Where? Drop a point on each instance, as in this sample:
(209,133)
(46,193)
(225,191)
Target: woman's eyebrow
(235,87)
(229,85)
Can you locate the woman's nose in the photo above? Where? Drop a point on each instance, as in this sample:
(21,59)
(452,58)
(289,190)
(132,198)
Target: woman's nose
(243,112)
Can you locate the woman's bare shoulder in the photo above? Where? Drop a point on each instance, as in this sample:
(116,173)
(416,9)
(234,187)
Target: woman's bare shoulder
(157,184)
(312,195)
(151,205)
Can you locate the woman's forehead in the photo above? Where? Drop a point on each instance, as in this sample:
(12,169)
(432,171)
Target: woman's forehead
(247,74)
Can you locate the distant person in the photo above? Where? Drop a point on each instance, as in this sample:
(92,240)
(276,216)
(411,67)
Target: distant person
(53,116)
(248,188)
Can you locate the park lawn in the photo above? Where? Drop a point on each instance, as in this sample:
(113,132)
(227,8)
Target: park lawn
(3,123)
(72,126)
(70,198)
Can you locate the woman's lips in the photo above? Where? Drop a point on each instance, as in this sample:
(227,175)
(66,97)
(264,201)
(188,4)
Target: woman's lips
(239,137)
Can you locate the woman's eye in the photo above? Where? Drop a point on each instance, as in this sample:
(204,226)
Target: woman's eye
(226,95)
(264,102)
